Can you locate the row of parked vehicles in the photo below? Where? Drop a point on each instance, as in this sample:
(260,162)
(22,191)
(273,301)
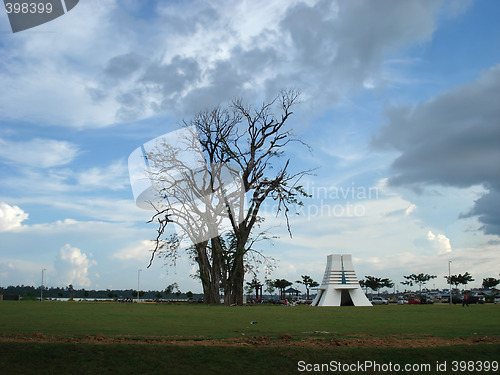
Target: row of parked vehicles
(376,300)
(415,300)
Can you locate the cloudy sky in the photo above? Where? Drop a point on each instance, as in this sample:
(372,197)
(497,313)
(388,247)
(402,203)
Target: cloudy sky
(399,105)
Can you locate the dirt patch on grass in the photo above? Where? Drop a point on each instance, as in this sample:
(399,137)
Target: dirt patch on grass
(285,340)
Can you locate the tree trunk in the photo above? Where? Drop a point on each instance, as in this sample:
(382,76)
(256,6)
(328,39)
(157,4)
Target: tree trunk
(206,271)
(216,270)
(236,280)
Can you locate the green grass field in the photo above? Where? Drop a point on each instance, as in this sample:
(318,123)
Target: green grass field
(200,322)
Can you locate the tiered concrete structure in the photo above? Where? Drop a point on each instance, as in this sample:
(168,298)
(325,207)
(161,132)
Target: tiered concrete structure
(340,286)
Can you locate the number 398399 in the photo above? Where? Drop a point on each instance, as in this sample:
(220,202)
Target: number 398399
(26,8)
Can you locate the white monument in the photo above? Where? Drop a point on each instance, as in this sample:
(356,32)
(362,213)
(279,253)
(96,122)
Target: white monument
(340,286)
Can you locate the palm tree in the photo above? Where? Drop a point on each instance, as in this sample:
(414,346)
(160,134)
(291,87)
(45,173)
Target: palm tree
(308,283)
(255,284)
(376,283)
(419,280)
(282,284)
(459,279)
(270,287)
(465,279)
(490,282)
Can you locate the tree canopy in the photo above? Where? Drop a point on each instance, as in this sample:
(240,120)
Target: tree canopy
(459,279)
(419,280)
(281,284)
(376,283)
(490,282)
(308,282)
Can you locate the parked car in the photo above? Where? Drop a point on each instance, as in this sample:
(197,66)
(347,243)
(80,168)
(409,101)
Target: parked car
(414,301)
(456,299)
(379,301)
(402,301)
(470,299)
(426,300)
(304,301)
(476,299)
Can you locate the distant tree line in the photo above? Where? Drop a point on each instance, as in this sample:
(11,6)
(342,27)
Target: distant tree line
(172,291)
(376,283)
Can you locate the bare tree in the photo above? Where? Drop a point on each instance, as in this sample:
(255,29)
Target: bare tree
(241,146)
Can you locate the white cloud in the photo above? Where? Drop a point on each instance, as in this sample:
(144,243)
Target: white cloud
(287,270)
(382,186)
(116,210)
(140,251)
(73,266)
(384,242)
(67,190)
(376,238)
(43,153)
(46,77)
(11,217)
(112,177)
(24,272)
(412,207)
(440,241)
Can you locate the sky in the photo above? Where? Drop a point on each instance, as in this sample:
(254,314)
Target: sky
(399,104)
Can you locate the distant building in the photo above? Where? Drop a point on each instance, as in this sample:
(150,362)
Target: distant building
(10,297)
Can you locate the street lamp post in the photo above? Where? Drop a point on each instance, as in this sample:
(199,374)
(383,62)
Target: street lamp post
(138,283)
(449,277)
(41,288)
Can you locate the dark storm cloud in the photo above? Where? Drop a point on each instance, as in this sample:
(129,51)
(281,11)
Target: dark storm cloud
(173,76)
(122,66)
(226,83)
(451,140)
(118,69)
(487,209)
(344,43)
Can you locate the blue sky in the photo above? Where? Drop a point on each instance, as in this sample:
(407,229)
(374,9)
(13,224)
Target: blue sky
(399,104)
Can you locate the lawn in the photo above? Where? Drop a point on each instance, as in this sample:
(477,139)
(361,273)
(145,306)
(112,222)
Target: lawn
(200,322)
(49,358)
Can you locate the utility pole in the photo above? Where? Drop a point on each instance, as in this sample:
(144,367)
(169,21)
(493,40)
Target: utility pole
(41,288)
(449,277)
(138,282)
